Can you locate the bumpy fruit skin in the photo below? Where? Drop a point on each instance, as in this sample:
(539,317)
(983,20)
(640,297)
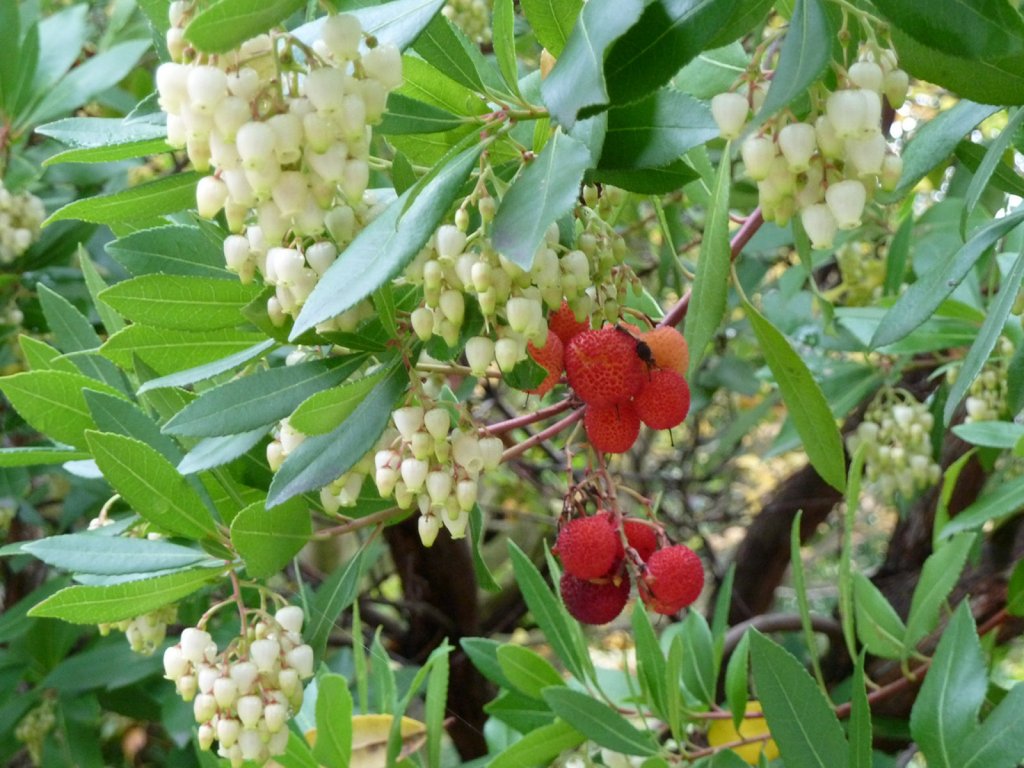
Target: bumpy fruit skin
(588,546)
(613,428)
(664,400)
(668,348)
(640,536)
(673,579)
(603,366)
(551,358)
(592,603)
(723,732)
(564,323)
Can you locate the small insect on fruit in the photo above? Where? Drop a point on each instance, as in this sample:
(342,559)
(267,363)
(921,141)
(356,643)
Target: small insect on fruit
(643,349)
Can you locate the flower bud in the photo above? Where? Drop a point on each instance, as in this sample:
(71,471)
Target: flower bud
(193,644)
(730,113)
(866,75)
(384,63)
(439,486)
(491,450)
(507,352)
(204,707)
(423,323)
(450,242)
(758,153)
(453,306)
(429,526)
(820,225)
(408,420)
(290,618)
(479,354)
(896,85)
(300,658)
(846,199)
(342,33)
(175,664)
(414,473)
(797,143)
(265,653)
(466,494)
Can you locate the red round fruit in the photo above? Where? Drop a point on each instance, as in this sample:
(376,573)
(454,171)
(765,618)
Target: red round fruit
(668,348)
(664,400)
(564,323)
(588,546)
(603,367)
(612,428)
(674,576)
(550,357)
(641,536)
(592,603)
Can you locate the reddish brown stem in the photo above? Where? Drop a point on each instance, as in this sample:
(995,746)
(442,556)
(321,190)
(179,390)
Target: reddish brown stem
(527,418)
(544,434)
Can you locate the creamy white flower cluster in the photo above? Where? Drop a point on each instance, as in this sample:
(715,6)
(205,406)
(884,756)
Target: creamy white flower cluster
(827,168)
(471,16)
(285,130)
(986,397)
(243,697)
(145,633)
(21,216)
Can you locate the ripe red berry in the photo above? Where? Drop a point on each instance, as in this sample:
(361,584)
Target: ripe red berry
(668,348)
(564,323)
(664,400)
(674,578)
(588,546)
(641,537)
(603,367)
(592,603)
(550,357)
(612,428)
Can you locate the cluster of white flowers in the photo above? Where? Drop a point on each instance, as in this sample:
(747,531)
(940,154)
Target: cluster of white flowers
(34,726)
(986,397)
(21,216)
(147,632)
(862,265)
(896,434)
(436,467)
(471,16)
(456,266)
(243,698)
(288,145)
(827,168)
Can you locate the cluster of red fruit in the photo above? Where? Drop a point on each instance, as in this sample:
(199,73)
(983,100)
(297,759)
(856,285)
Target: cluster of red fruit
(624,376)
(596,580)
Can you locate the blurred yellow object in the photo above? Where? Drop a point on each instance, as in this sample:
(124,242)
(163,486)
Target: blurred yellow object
(370,739)
(722,732)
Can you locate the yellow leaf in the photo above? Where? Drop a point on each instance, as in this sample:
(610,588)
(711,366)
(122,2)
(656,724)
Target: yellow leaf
(370,739)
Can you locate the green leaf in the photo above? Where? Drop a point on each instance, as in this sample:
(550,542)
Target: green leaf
(806,52)
(267,539)
(992,160)
(405,115)
(1001,502)
(226,24)
(799,717)
(852,499)
(326,409)
(698,672)
(796,567)
(997,743)
(170,351)
(711,283)
(804,400)
(976,29)
(333,721)
(53,402)
(935,141)
(172,250)
(991,80)
(214,452)
(335,594)
(40,356)
(646,181)
(323,458)
(539,747)
(117,602)
(10,60)
(650,661)
(181,303)
(737,672)
(398,23)
(102,139)
(599,722)
(656,131)
(207,371)
(939,575)
(112,555)
(72,333)
(151,485)
(988,337)
(860,720)
(577,82)
(113,414)
(990,434)
(444,46)
(503,18)
(436,702)
(521,712)
(484,577)
(878,625)
(526,670)
(545,190)
(38,456)
(386,245)
(169,194)
(945,714)
(552,21)
(112,322)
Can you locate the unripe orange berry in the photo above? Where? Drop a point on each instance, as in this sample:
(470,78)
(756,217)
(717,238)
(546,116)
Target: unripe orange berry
(668,348)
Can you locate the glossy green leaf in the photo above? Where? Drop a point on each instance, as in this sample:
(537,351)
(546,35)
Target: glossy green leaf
(483,652)
(712,72)
(326,409)
(323,458)
(646,181)
(806,52)
(209,370)
(711,283)
(10,61)
(804,400)
(398,23)
(539,747)
(988,336)
(436,704)
(577,81)
(73,333)
(335,594)
(96,605)
(945,714)
(169,194)
(102,139)
(61,38)
(212,452)
(656,131)
(796,568)
(975,29)
(552,21)
(852,499)
(879,627)
(405,115)
(114,414)
(333,721)
(53,402)
(526,670)
(860,720)
(503,18)
(939,575)
(112,555)
(385,246)
(38,456)
(151,485)
(698,672)
(111,321)
(519,711)
(737,673)
(650,661)
(799,716)
(182,303)
(990,434)
(267,539)
(992,160)
(226,24)
(40,356)
(444,46)
(477,529)
(599,722)
(172,250)
(997,743)
(172,351)
(543,192)
(995,505)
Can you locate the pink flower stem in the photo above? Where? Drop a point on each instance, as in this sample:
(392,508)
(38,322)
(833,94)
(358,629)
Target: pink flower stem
(543,435)
(526,419)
